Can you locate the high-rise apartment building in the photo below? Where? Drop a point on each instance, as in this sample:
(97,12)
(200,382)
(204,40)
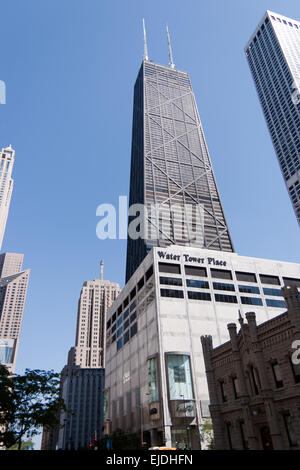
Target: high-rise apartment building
(273,54)
(95,299)
(171,170)
(82,379)
(13,290)
(10,263)
(6,186)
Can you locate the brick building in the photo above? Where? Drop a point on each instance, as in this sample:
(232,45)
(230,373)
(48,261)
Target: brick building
(254,381)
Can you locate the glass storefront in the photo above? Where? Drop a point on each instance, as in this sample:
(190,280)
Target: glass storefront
(180,378)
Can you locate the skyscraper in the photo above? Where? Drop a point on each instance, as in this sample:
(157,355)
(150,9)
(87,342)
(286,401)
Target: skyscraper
(273,54)
(13,290)
(95,298)
(10,263)
(6,186)
(171,167)
(82,379)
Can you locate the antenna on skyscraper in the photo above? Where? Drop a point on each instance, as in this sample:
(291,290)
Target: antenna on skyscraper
(171,63)
(101,270)
(145,42)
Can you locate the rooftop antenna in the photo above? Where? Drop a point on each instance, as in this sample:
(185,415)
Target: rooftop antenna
(145,42)
(101,270)
(171,63)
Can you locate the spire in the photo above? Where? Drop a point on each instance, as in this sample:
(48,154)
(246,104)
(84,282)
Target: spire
(101,270)
(171,63)
(145,42)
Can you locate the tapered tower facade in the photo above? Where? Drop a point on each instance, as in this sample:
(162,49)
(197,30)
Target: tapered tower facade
(171,171)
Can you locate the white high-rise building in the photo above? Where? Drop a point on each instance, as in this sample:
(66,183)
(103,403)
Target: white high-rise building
(95,299)
(6,186)
(13,290)
(273,53)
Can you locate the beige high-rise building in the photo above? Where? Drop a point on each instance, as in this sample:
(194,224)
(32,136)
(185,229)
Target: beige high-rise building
(13,290)
(82,379)
(95,299)
(7,158)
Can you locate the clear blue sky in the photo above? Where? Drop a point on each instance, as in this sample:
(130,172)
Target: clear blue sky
(69,68)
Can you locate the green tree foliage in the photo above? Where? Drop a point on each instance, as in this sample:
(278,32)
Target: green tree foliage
(25,445)
(208,434)
(27,402)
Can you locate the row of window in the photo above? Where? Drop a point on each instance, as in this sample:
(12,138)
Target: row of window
(175,281)
(129,298)
(195,295)
(197,271)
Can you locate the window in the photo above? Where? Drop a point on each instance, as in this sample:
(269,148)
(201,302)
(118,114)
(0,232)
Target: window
(126,337)
(133,330)
(132,293)
(223,391)
(290,281)
(221,274)
(223,286)
(170,281)
(126,313)
(169,268)
(178,294)
(195,283)
(275,303)
(149,273)
(255,380)
(153,379)
(266,279)
(270,291)
(226,298)
(140,283)
(180,380)
(251,301)
(193,295)
(132,317)
(235,385)
(195,271)
(249,289)
(277,375)
(246,277)
(290,431)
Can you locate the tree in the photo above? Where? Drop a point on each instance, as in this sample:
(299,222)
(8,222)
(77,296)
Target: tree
(208,434)
(25,445)
(27,402)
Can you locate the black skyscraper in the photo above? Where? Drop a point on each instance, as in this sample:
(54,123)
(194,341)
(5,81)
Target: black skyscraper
(170,166)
